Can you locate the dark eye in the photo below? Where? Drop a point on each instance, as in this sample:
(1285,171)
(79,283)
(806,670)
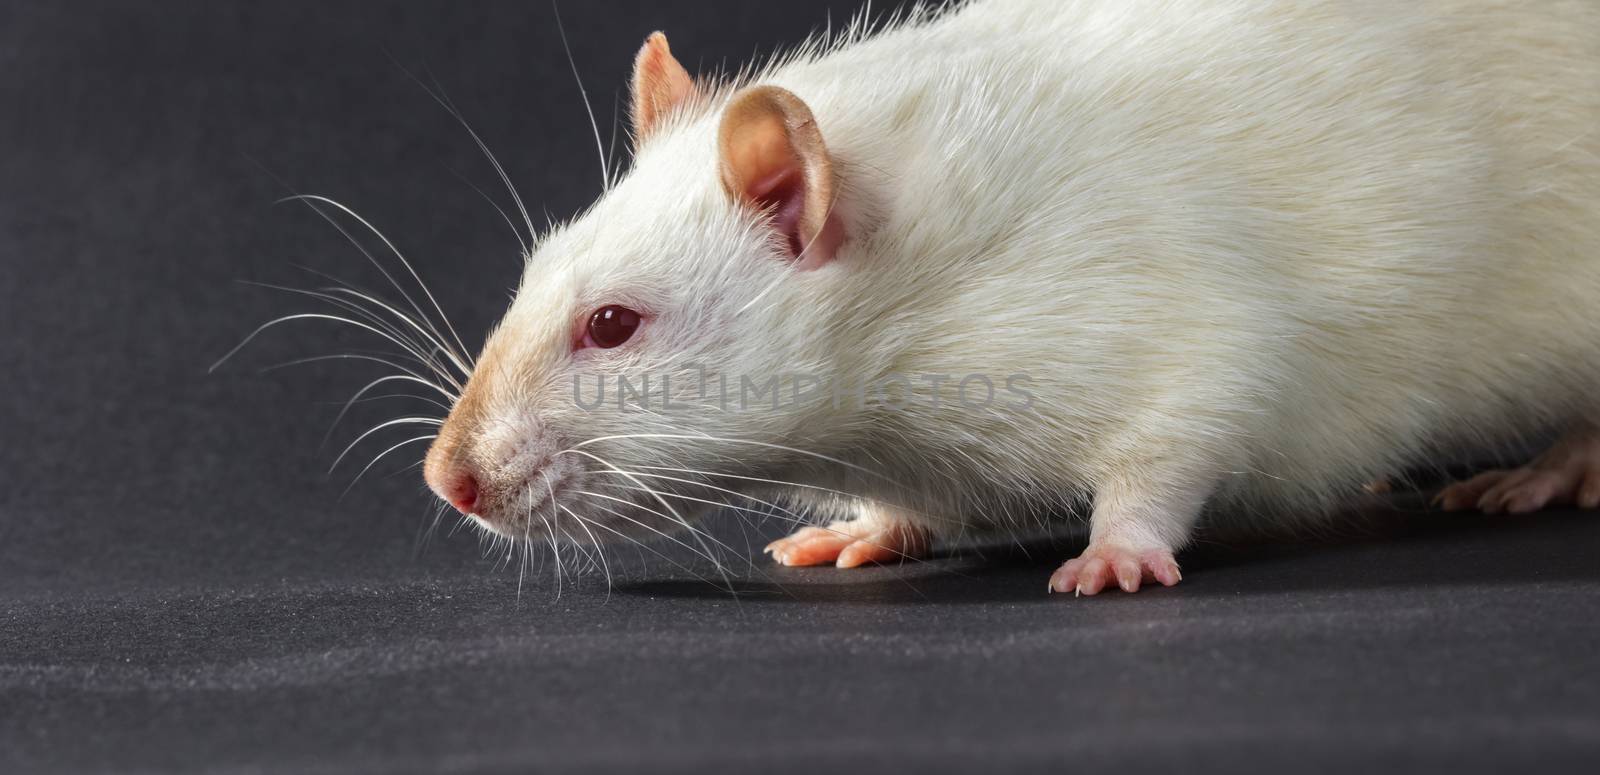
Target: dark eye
(612,325)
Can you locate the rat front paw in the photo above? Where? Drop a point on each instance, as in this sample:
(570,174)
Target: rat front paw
(1103,565)
(850,543)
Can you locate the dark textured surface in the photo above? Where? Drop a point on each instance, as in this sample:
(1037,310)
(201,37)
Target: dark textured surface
(1455,642)
(182,588)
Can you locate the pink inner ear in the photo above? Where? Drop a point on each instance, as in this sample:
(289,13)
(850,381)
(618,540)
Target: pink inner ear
(783,195)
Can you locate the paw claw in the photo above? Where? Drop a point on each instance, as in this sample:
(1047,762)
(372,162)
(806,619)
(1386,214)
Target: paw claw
(1164,569)
(1129,574)
(1100,567)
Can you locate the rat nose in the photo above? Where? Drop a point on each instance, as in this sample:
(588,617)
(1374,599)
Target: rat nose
(461,489)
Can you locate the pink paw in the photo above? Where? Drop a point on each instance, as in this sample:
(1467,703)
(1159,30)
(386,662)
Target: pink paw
(851,543)
(1103,565)
(1567,474)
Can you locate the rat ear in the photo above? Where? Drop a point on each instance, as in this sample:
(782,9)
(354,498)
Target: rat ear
(772,157)
(660,84)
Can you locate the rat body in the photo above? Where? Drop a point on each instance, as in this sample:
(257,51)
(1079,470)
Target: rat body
(1216,257)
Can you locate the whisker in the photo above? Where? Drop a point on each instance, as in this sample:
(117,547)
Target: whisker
(312,198)
(598,553)
(306,316)
(382,455)
(698,535)
(431,526)
(421,351)
(343,410)
(647,547)
(555,548)
(581,523)
(344,286)
(412,396)
(380,426)
(605,171)
(767,445)
(797,485)
(611,145)
(522,243)
(701,552)
(445,102)
(746,496)
(433,341)
(795,520)
(411,376)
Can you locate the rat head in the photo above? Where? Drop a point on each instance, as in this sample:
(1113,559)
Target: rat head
(597,408)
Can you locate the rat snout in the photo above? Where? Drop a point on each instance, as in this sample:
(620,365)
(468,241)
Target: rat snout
(454,481)
(492,468)
(451,469)
(461,490)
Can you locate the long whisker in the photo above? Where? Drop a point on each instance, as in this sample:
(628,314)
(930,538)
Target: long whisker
(605,170)
(646,547)
(719,504)
(526,250)
(786,483)
(403,262)
(308,316)
(611,145)
(382,455)
(314,202)
(527,527)
(344,286)
(698,535)
(598,551)
(445,102)
(698,552)
(343,410)
(746,496)
(411,376)
(586,554)
(410,396)
(370,385)
(767,445)
(434,421)
(427,531)
(443,347)
(780,482)
(583,524)
(414,420)
(793,519)
(555,547)
(421,351)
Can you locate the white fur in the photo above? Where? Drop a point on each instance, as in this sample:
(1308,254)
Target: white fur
(1251,253)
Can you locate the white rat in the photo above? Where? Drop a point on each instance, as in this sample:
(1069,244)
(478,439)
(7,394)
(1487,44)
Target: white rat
(1219,259)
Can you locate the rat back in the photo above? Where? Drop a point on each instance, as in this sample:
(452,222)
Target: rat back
(1286,246)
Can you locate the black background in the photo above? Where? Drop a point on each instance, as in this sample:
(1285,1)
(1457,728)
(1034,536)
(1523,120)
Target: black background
(184,588)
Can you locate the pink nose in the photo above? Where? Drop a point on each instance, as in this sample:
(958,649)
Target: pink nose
(462,492)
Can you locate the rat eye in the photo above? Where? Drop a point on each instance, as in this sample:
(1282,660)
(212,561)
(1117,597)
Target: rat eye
(612,325)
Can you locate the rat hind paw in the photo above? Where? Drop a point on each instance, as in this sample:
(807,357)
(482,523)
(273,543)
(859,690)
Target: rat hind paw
(1106,565)
(1569,473)
(851,543)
